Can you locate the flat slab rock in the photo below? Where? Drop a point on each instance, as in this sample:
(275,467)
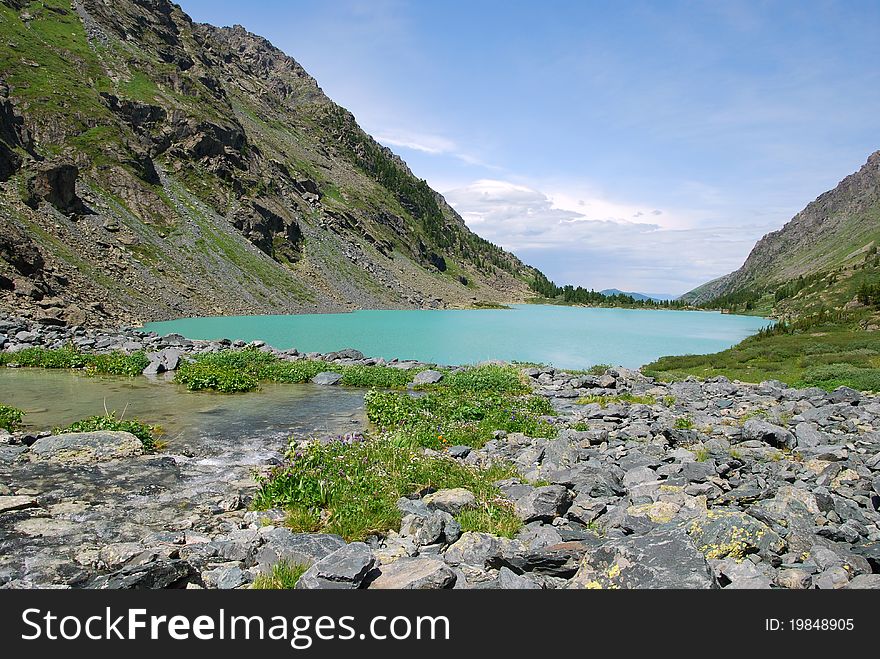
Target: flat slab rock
(10,503)
(327,378)
(660,559)
(415,574)
(345,568)
(85,447)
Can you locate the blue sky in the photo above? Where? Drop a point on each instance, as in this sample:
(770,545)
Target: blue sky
(637,145)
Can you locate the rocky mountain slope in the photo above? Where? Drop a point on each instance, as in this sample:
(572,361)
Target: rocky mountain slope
(152,167)
(819,256)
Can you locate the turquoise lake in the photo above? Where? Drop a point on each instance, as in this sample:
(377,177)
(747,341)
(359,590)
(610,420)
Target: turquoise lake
(571,337)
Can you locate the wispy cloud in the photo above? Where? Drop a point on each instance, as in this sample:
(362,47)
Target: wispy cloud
(594,242)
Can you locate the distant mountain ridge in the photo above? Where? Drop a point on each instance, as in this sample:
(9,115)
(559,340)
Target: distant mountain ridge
(819,259)
(658,297)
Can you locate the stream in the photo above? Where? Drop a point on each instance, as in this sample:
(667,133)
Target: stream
(215,443)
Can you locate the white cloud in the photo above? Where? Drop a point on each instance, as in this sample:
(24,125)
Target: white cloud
(430,143)
(426,143)
(596,243)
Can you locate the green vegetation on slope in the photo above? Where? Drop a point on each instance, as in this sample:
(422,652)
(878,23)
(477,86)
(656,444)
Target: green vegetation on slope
(464,409)
(352,487)
(826,354)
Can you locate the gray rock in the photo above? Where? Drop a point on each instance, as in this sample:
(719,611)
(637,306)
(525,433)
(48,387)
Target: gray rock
(436,527)
(459,451)
(833,578)
(808,435)
(507,580)
(733,533)
(474,548)
(663,558)
(327,378)
(159,574)
(10,503)
(427,377)
(226,577)
(865,582)
(415,574)
(86,447)
(543,503)
(10,453)
(698,472)
(452,501)
(295,548)
(794,579)
(346,568)
(637,476)
(756,429)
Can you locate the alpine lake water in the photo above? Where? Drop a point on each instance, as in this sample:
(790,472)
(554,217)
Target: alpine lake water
(567,337)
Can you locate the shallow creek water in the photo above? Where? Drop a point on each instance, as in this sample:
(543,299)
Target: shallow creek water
(215,443)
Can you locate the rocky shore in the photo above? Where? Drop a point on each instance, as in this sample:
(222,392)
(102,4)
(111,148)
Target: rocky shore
(694,484)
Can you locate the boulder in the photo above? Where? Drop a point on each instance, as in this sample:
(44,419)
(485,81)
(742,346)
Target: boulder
(663,558)
(155,575)
(507,580)
(427,377)
(543,503)
(452,501)
(756,429)
(474,548)
(731,533)
(415,574)
(86,447)
(345,568)
(302,548)
(327,378)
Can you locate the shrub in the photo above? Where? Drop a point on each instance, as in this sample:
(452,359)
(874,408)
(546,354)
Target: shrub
(109,421)
(10,417)
(199,375)
(831,376)
(488,377)
(684,423)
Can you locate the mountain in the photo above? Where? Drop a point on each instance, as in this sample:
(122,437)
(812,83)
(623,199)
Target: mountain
(152,167)
(819,259)
(657,297)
